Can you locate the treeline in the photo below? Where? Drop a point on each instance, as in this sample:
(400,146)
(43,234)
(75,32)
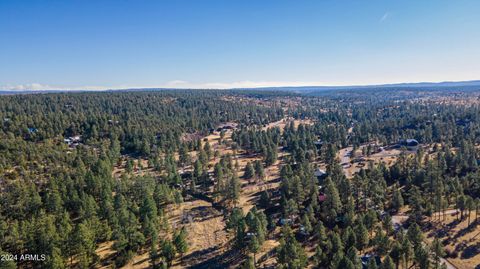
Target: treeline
(139,120)
(63,201)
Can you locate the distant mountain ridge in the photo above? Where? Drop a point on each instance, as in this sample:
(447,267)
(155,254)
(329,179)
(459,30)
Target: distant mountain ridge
(471,83)
(382,86)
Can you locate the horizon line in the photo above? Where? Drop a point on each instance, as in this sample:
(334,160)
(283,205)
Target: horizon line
(176,85)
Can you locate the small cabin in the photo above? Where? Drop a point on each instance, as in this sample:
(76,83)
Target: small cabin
(285,221)
(227,126)
(73,141)
(366,259)
(302,231)
(411,144)
(318,143)
(320,175)
(249,235)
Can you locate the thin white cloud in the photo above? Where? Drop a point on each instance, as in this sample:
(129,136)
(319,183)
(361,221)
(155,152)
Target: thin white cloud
(384,17)
(45,87)
(175,84)
(181,84)
(23,87)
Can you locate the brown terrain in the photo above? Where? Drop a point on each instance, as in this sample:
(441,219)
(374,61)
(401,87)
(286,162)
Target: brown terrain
(461,241)
(207,236)
(209,240)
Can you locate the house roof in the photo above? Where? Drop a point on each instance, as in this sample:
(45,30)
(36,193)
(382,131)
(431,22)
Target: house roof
(319,172)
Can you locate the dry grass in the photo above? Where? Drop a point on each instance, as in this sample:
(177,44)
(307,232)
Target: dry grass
(284,122)
(387,156)
(457,237)
(205,225)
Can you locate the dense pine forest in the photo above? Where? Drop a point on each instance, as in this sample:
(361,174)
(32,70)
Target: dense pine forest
(358,178)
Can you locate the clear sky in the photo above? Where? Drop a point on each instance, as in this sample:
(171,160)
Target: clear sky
(235,43)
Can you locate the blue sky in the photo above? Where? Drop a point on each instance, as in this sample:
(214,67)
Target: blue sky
(232,43)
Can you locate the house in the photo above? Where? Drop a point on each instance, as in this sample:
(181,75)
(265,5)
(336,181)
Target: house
(319,173)
(366,259)
(73,141)
(302,231)
(249,235)
(397,227)
(227,126)
(318,143)
(284,221)
(411,144)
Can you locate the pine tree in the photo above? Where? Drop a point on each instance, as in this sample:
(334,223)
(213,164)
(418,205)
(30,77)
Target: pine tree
(7,264)
(248,264)
(352,255)
(470,205)
(332,204)
(184,157)
(319,256)
(438,250)
(180,242)
(407,250)
(259,172)
(154,250)
(208,149)
(54,260)
(290,252)
(168,251)
(397,200)
(372,264)
(347,264)
(233,190)
(387,263)
(362,236)
(270,155)
(337,244)
(254,246)
(414,234)
(396,253)
(422,257)
(306,224)
(321,233)
(249,171)
(84,245)
(349,238)
(148,209)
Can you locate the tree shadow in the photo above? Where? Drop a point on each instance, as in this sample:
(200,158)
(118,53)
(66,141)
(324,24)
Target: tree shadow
(471,251)
(214,259)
